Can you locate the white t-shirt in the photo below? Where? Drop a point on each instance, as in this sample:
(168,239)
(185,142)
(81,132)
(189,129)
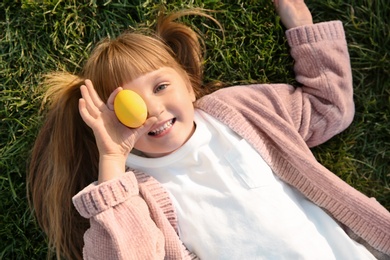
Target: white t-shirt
(230,205)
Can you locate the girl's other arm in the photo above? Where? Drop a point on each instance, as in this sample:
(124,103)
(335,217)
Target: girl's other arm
(323,106)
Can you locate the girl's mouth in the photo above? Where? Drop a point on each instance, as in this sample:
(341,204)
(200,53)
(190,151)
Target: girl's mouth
(162,128)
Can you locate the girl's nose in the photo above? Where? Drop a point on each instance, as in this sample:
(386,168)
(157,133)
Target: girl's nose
(154,106)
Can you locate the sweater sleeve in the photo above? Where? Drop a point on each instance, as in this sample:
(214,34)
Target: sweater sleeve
(120,222)
(323,106)
(315,111)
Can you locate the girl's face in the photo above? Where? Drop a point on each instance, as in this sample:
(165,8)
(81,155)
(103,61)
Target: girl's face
(169,97)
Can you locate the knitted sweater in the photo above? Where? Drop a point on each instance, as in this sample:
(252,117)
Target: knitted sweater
(132,217)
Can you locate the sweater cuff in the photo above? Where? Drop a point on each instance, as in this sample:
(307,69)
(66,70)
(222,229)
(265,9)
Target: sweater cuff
(96,198)
(330,31)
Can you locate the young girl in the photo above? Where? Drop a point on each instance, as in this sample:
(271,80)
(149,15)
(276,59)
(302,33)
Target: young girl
(227,175)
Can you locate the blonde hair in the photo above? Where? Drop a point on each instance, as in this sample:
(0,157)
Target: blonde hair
(65,156)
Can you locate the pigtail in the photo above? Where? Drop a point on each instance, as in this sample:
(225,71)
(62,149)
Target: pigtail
(64,160)
(185,43)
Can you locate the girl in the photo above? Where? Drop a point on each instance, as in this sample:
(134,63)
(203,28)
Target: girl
(227,175)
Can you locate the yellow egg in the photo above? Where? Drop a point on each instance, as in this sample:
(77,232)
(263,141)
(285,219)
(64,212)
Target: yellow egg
(130,108)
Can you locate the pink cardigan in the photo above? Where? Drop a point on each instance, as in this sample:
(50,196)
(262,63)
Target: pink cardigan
(132,217)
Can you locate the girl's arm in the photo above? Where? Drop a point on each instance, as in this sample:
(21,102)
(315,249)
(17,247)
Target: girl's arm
(323,106)
(121,226)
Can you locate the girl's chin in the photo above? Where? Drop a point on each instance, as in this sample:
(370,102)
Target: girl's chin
(152,154)
(160,153)
(164,151)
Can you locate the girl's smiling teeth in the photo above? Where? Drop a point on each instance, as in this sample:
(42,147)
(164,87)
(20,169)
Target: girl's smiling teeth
(162,128)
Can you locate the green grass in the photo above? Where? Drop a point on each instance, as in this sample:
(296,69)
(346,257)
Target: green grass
(41,36)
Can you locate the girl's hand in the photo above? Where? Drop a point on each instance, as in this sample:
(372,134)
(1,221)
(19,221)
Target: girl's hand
(113,139)
(293,13)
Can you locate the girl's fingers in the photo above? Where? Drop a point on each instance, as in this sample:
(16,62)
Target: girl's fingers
(94,95)
(89,103)
(85,115)
(293,13)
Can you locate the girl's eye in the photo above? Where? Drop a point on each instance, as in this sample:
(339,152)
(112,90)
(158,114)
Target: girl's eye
(160,88)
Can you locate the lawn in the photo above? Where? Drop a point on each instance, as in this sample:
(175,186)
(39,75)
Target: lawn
(45,35)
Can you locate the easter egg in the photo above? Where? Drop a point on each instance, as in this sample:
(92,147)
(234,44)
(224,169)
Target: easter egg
(130,108)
